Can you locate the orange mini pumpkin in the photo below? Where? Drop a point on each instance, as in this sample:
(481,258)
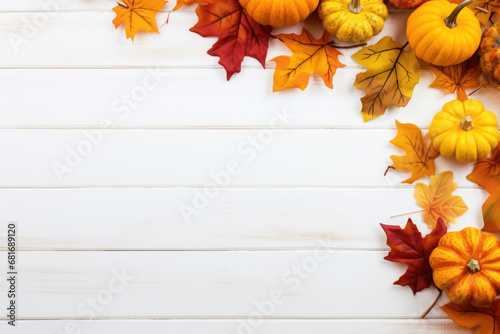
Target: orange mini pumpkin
(442,33)
(466,265)
(279,13)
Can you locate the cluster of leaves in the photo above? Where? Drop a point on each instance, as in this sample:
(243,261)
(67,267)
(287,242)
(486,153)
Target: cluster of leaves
(390,78)
(440,207)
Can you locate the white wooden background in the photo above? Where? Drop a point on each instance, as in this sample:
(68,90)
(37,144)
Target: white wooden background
(316,189)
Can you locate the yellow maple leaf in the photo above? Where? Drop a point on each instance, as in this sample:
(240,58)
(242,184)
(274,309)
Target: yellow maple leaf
(137,15)
(309,55)
(438,201)
(391,76)
(420,153)
(483,9)
(457,77)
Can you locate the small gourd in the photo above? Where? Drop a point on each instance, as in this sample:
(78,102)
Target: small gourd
(466,265)
(353,20)
(279,13)
(489,52)
(464,131)
(442,33)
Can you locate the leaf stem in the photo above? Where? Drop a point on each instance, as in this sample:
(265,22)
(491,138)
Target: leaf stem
(388,169)
(433,304)
(476,90)
(409,213)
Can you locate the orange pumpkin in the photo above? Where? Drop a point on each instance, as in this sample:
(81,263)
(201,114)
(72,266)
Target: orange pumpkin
(279,13)
(442,33)
(466,265)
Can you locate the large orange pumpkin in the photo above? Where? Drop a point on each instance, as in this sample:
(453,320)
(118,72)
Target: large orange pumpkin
(279,13)
(466,265)
(442,33)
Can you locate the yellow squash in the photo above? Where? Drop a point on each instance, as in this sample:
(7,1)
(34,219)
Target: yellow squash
(466,265)
(464,131)
(442,33)
(353,20)
(279,13)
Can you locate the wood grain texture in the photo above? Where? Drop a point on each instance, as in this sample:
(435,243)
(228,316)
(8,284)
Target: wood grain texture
(301,217)
(95,43)
(175,158)
(310,284)
(372,326)
(60,99)
(238,219)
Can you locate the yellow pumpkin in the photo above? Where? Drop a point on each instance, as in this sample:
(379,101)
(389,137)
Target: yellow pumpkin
(464,131)
(466,265)
(279,13)
(442,33)
(353,20)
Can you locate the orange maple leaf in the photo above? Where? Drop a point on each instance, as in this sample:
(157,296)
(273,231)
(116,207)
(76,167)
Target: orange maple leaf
(486,172)
(181,3)
(390,78)
(487,319)
(457,77)
(420,153)
(484,9)
(438,201)
(309,55)
(491,212)
(137,15)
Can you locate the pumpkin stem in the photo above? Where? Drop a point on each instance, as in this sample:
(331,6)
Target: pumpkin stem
(355,6)
(473,266)
(466,124)
(451,21)
(433,304)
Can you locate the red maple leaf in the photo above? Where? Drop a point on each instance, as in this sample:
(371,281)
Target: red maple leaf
(408,247)
(239,35)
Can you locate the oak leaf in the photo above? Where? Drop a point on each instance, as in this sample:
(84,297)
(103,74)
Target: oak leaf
(391,76)
(181,3)
(457,77)
(486,172)
(491,212)
(420,153)
(238,34)
(137,15)
(408,247)
(487,319)
(438,201)
(484,9)
(309,55)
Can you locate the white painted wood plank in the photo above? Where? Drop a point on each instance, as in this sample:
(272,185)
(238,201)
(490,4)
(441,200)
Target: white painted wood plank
(158,158)
(238,219)
(69,5)
(95,42)
(82,98)
(307,284)
(358,326)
